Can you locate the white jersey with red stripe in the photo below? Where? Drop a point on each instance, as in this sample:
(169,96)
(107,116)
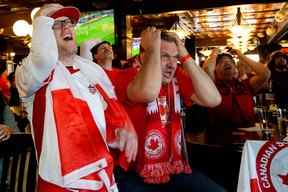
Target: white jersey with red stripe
(71,143)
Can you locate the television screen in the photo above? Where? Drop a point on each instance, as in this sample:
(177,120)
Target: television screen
(135,46)
(96,25)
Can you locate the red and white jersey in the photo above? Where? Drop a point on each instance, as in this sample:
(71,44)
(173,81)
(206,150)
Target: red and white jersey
(67,114)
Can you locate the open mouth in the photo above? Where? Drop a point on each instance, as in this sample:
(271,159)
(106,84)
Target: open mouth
(107,51)
(68,37)
(167,74)
(227,67)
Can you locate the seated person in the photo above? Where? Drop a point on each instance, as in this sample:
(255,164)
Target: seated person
(161,164)
(278,66)
(7,122)
(8,125)
(237,107)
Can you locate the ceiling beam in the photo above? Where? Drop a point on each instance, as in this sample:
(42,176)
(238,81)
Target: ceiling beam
(211,42)
(282,30)
(136,7)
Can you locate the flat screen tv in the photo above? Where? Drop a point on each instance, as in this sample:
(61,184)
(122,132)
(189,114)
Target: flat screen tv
(96,25)
(135,46)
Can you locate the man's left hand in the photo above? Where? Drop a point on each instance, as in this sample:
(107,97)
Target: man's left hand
(128,142)
(5,132)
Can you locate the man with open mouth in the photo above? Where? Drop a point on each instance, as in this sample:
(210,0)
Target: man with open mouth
(72,107)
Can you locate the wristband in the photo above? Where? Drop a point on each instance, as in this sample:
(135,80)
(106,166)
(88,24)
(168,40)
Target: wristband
(184,59)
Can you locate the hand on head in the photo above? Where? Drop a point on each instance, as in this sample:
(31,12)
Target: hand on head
(48,9)
(5,132)
(235,52)
(178,41)
(215,51)
(151,39)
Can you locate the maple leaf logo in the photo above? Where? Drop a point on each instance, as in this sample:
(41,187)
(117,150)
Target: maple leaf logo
(154,144)
(284,179)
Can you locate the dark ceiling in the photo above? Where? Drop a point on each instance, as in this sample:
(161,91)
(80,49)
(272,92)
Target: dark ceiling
(213,23)
(12,10)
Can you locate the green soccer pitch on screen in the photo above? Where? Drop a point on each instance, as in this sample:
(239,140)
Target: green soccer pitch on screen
(96,25)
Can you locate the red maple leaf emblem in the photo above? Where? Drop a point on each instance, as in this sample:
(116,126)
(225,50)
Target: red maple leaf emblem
(154,143)
(284,179)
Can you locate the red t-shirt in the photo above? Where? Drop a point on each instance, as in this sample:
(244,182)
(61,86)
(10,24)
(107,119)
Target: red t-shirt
(235,111)
(5,87)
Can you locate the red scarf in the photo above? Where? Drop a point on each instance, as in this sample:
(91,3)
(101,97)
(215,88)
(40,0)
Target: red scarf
(161,144)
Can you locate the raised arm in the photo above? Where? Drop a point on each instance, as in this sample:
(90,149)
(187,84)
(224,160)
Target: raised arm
(147,83)
(262,73)
(43,55)
(205,91)
(210,63)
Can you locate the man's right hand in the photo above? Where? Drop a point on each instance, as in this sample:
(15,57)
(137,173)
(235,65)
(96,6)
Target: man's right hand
(48,9)
(150,39)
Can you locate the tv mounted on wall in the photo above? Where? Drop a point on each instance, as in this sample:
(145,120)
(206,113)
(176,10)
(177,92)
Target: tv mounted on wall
(96,25)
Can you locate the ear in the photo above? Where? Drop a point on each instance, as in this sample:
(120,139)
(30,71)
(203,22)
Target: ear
(95,57)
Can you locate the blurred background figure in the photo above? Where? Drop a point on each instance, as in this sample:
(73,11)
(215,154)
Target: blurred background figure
(16,106)
(4,83)
(8,125)
(237,107)
(14,99)
(278,66)
(7,121)
(102,53)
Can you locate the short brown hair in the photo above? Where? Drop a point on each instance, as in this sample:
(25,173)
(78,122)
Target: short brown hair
(166,36)
(94,49)
(222,55)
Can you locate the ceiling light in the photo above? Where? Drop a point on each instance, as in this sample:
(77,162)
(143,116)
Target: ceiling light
(240,33)
(21,28)
(206,52)
(240,30)
(271,30)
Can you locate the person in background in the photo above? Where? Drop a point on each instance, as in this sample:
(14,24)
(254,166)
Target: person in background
(161,164)
(16,106)
(278,66)
(72,107)
(146,84)
(237,107)
(103,54)
(4,83)
(8,125)
(15,99)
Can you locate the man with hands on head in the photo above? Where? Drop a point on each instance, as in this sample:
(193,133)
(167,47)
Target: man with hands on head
(72,108)
(161,164)
(237,107)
